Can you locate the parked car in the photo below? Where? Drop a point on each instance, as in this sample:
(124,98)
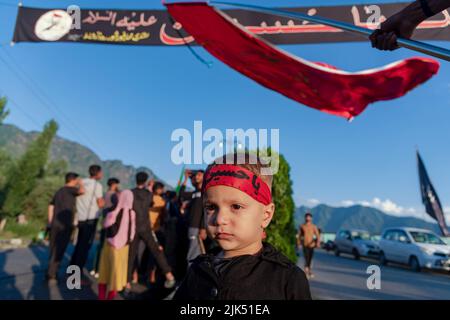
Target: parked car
(328,246)
(355,242)
(418,248)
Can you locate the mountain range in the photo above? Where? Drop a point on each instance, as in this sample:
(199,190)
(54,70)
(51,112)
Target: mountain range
(331,219)
(78,157)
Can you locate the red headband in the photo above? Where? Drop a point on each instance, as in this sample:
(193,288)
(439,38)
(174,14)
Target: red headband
(239,178)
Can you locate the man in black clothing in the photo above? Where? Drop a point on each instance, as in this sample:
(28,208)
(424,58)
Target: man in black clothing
(176,236)
(197,230)
(141,205)
(60,221)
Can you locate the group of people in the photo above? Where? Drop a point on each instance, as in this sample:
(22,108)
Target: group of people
(146,231)
(163,237)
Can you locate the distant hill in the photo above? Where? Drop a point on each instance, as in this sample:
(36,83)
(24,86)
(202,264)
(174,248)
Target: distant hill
(331,219)
(77,156)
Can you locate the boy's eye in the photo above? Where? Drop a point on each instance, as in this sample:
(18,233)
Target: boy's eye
(210,207)
(236,206)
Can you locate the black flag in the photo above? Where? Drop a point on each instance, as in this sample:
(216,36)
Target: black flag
(430,198)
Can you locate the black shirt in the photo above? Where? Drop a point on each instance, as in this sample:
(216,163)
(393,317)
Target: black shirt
(64,202)
(142,201)
(194,209)
(268,275)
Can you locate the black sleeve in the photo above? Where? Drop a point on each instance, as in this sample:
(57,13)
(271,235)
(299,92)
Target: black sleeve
(149,201)
(184,195)
(202,219)
(152,203)
(183,290)
(114,201)
(52,202)
(298,286)
(75,191)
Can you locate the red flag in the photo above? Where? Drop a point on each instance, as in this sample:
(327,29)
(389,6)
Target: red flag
(317,85)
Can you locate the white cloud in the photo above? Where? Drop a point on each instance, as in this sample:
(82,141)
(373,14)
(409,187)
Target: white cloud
(387,205)
(348,203)
(390,207)
(365,203)
(312,202)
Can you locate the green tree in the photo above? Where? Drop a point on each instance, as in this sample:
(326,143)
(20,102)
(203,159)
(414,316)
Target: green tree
(30,167)
(5,159)
(281,231)
(36,203)
(6,166)
(3,112)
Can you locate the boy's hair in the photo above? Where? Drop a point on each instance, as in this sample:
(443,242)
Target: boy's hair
(308,214)
(94,169)
(112,181)
(247,161)
(70,176)
(141,178)
(157,185)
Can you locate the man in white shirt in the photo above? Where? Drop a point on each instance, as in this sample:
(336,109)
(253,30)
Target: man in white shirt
(89,207)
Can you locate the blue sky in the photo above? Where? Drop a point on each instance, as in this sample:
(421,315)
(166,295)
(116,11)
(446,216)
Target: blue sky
(123,102)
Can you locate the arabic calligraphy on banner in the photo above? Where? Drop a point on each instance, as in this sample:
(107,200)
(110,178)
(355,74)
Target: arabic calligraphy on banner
(155,27)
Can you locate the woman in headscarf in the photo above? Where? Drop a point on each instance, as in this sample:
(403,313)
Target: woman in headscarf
(120,226)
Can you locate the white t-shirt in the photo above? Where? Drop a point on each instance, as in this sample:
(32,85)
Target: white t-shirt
(87,208)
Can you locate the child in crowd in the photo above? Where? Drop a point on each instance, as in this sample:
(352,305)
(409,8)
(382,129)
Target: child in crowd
(238,207)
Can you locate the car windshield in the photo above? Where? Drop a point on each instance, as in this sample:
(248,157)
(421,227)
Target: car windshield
(426,237)
(358,235)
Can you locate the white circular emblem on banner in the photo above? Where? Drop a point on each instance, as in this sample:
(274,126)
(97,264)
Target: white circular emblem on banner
(53,25)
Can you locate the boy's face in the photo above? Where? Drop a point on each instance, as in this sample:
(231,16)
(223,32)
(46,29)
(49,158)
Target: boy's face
(159,191)
(234,219)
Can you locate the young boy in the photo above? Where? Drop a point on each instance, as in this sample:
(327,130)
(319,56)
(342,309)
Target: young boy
(238,207)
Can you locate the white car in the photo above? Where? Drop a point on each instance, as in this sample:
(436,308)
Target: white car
(355,242)
(418,248)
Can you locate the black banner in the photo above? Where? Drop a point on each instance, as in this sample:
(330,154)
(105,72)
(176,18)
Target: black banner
(155,27)
(430,198)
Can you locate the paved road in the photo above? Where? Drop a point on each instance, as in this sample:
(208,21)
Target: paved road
(344,278)
(22,277)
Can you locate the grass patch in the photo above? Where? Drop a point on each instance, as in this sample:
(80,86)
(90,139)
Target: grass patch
(27,231)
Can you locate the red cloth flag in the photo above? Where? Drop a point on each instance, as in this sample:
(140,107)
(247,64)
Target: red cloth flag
(317,85)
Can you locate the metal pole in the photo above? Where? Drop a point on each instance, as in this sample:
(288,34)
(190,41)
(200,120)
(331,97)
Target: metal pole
(422,47)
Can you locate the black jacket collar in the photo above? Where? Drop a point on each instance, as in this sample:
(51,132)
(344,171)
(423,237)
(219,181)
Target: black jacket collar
(268,253)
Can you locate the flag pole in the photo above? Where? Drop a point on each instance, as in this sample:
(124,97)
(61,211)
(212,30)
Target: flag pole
(422,47)
(177,190)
